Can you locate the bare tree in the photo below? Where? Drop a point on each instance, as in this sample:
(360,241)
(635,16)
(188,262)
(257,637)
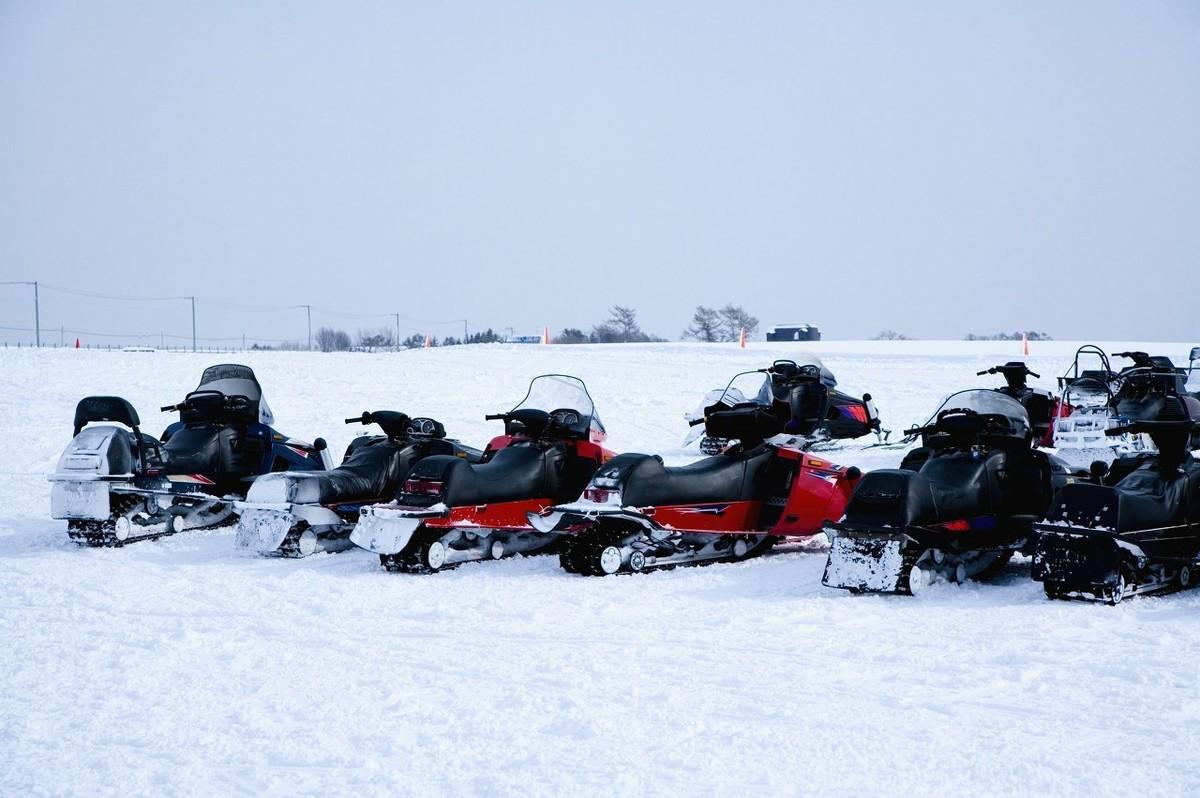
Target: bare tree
(624,321)
(706,325)
(331,340)
(377,339)
(734,319)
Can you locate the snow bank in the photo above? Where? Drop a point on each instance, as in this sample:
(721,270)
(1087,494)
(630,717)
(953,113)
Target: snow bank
(187,666)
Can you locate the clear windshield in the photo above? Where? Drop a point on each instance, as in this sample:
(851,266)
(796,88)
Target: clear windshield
(809,359)
(987,402)
(749,386)
(1193,373)
(551,392)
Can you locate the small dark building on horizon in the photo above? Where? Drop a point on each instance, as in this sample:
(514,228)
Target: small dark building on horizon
(794,332)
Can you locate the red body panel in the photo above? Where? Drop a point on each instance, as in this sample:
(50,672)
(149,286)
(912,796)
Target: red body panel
(711,517)
(499,515)
(819,493)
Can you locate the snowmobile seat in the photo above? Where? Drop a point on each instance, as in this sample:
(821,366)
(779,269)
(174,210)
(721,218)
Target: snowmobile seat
(731,476)
(514,473)
(1144,499)
(196,450)
(374,468)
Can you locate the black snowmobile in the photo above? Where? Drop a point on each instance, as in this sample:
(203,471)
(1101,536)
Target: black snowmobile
(814,413)
(116,484)
(1133,527)
(958,507)
(1041,405)
(298,513)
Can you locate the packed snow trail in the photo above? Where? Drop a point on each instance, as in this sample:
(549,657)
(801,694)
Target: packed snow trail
(183,666)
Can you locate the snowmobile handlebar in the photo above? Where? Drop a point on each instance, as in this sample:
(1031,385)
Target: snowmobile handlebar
(1006,368)
(228,401)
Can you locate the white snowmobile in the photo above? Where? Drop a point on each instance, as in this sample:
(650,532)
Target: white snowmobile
(1098,400)
(115,484)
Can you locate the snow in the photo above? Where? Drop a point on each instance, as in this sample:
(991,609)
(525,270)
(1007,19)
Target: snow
(187,666)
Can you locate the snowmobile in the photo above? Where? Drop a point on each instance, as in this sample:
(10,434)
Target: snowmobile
(450,511)
(1099,400)
(298,513)
(958,506)
(639,515)
(819,415)
(1133,527)
(116,484)
(1041,405)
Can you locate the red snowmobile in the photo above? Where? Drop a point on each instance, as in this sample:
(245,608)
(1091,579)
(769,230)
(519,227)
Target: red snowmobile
(451,511)
(638,514)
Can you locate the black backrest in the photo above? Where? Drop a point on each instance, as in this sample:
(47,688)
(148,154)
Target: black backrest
(104,408)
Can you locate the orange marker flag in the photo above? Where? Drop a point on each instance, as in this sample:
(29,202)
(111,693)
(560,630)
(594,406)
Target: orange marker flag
(545,335)
(742,339)
(428,341)
(1024,343)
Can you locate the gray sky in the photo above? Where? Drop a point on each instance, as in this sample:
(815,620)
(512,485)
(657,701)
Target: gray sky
(937,169)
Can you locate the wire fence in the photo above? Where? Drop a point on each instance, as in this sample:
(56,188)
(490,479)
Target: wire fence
(47,330)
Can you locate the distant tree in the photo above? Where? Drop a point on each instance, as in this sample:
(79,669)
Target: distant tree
(414,341)
(331,340)
(450,340)
(624,321)
(734,319)
(1015,336)
(571,336)
(706,325)
(485,337)
(890,335)
(376,339)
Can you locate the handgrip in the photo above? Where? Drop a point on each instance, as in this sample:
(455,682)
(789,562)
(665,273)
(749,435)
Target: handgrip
(495,417)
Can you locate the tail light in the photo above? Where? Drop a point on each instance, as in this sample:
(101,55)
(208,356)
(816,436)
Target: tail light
(423,487)
(602,495)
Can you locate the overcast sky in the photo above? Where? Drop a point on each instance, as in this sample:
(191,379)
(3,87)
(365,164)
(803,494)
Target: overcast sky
(934,168)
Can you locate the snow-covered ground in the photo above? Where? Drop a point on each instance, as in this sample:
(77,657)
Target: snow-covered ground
(185,667)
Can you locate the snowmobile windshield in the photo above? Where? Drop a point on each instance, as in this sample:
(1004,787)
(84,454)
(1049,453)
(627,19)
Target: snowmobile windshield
(555,392)
(987,402)
(749,387)
(232,379)
(803,359)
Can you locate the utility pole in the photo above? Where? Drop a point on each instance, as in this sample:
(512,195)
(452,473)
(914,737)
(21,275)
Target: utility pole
(193,322)
(308,309)
(397,341)
(37,315)
(464,331)
(62,336)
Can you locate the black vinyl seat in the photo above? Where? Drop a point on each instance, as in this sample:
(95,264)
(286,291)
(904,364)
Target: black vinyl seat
(514,473)
(373,469)
(733,476)
(197,450)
